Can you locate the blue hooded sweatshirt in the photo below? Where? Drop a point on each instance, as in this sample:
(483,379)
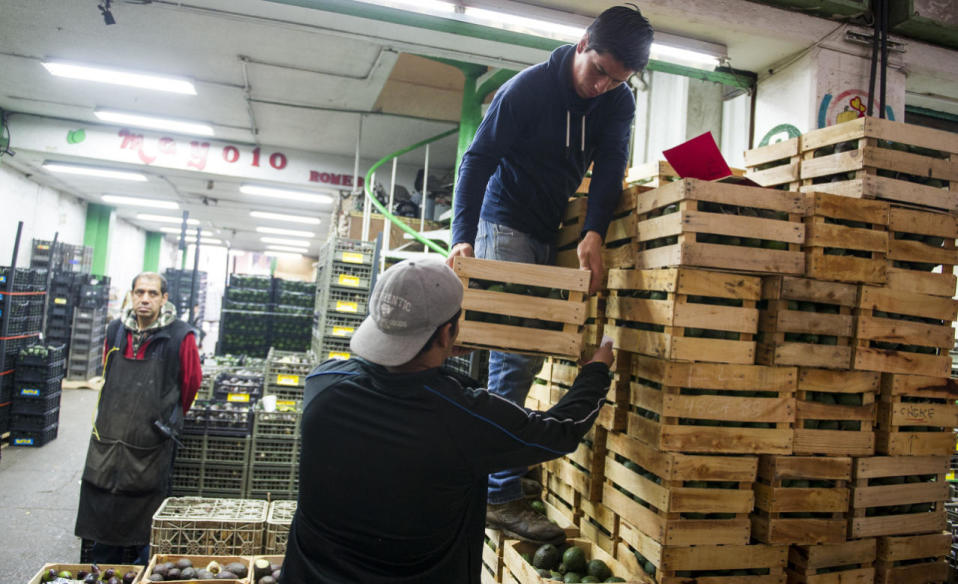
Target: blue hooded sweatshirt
(533,148)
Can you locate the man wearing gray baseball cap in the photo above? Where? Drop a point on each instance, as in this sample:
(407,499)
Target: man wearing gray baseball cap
(396,449)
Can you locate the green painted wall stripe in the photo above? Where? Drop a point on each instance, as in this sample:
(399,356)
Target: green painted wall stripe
(923,111)
(151,251)
(97,235)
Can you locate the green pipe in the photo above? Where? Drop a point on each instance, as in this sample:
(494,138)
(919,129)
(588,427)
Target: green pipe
(151,251)
(385,212)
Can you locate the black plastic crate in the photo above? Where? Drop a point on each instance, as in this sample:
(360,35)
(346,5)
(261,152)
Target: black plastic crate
(247,281)
(280,284)
(5,416)
(6,387)
(62,312)
(33,406)
(23,281)
(54,354)
(23,325)
(242,383)
(218,419)
(35,390)
(18,308)
(35,375)
(33,437)
(34,422)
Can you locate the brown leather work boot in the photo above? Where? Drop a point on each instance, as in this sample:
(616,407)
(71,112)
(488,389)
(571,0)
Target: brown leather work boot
(532,483)
(517,519)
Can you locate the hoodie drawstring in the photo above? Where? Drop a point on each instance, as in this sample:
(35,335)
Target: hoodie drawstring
(568,122)
(568,125)
(582,148)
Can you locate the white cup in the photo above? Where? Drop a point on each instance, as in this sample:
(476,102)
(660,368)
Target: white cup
(269,403)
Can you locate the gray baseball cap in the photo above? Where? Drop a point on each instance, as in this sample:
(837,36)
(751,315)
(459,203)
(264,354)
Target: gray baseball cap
(411,299)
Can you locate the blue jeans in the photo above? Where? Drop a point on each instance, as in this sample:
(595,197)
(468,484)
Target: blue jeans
(510,375)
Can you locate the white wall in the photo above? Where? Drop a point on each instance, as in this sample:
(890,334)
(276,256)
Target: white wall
(44,211)
(125,259)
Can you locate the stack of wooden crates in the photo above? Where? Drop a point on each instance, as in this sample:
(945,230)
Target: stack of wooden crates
(782,409)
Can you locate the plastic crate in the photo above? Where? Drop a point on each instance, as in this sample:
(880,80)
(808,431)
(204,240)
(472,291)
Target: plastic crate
(285,393)
(27,374)
(238,387)
(337,300)
(275,482)
(186,478)
(35,390)
(194,525)
(224,478)
(247,281)
(23,281)
(276,424)
(338,325)
(18,308)
(33,406)
(226,449)
(23,325)
(278,520)
(333,348)
(34,422)
(281,451)
(287,368)
(280,284)
(350,251)
(345,275)
(190,448)
(6,387)
(33,437)
(55,354)
(226,419)
(5,415)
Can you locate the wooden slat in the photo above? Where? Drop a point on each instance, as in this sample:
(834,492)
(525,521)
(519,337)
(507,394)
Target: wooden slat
(772,152)
(520,273)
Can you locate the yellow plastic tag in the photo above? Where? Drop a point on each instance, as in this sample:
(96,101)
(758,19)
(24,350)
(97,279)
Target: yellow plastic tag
(343,331)
(59,300)
(352,257)
(43,246)
(347,280)
(285,403)
(950,476)
(238,397)
(338,355)
(344,306)
(23,441)
(33,392)
(287,380)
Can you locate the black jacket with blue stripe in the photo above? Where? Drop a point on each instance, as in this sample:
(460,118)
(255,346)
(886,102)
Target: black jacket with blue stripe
(394,467)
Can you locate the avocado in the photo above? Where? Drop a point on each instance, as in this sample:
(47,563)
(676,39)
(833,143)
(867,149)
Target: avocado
(538,506)
(572,577)
(589,579)
(237,568)
(598,569)
(573,558)
(266,580)
(547,557)
(261,568)
(614,579)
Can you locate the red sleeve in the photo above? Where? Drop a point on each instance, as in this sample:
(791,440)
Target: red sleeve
(190,371)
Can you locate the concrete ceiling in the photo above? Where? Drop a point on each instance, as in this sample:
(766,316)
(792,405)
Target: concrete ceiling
(300,74)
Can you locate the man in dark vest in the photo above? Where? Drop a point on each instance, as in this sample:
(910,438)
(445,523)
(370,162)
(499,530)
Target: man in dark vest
(152,372)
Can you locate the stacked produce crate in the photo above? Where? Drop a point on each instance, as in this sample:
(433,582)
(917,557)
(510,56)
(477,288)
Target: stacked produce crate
(292,319)
(244,325)
(180,287)
(36,395)
(209,526)
(781,407)
(274,459)
(22,295)
(213,461)
(344,278)
(285,374)
(61,257)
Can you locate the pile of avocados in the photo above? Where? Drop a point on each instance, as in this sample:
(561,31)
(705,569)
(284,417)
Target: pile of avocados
(92,576)
(569,565)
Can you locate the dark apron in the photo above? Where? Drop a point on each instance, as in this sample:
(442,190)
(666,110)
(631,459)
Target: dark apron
(128,465)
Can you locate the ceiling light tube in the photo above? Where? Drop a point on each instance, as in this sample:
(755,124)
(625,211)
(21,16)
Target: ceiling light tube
(154,122)
(282,231)
(679,55)
(282,217)
(524,24)
(93,171)
(283,254)
(119,77)
(138,202)
(291,195)
(284,241)
(287,248)
(165,219)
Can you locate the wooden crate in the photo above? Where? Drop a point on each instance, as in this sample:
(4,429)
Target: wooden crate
(599,524)
(525,573)
(713,407)
(921,251)
(835,412)
(917,416)
(801,499)
(684,314)
(892,495)
(915,559)
(705,564)
(870,158)
(775,165)
(542,326)
(492,553)
(614,415)
(850,562)
(618,248)
(904,332)
(679,499)
(720,225)
(583,468)
(198,561)
(806,322)
(120,569)
(846,239)
(560,496)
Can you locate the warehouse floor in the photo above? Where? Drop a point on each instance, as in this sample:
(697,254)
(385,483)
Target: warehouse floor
(39,489)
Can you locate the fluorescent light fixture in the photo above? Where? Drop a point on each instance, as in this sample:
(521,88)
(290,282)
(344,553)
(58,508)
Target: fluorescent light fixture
(283,254)
(275,193)
(518,23)
(120,77)
(176,231)
(283,241)
(93,171)
(679,55)
(282,217)
(287,248)
(165,219)
(138,202)
(154,122)
(423,6)
(281,231)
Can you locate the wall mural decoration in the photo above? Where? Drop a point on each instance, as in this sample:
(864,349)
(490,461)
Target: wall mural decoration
(848,105)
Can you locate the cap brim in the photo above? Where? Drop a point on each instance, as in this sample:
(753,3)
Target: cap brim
(374,345)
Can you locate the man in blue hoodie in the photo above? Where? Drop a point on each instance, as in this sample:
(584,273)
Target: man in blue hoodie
(543,129)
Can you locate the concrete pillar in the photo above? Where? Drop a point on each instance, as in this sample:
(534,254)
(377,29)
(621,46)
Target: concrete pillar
(97,235)
(704,112)
(828,84)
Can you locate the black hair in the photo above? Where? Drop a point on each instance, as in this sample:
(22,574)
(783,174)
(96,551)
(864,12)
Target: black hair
(153,275)
(623,32)
(454,321)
